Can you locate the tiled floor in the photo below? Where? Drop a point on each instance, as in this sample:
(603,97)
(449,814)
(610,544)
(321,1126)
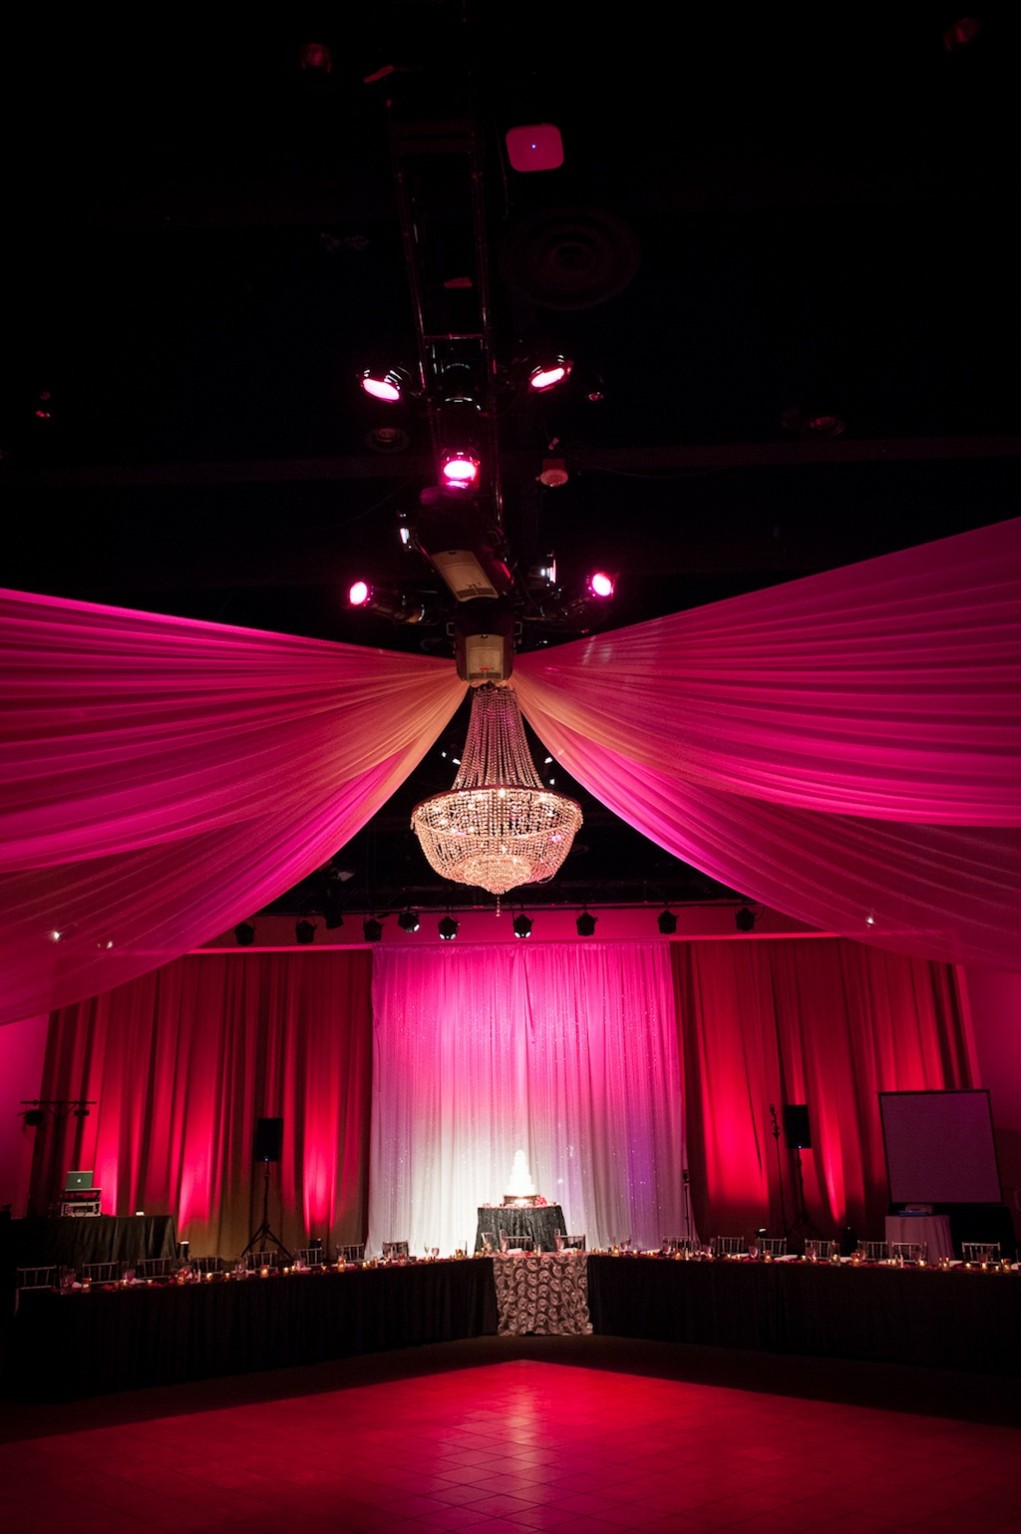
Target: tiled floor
(528,1443)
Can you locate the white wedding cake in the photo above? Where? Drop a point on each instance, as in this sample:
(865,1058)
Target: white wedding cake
(520,1189)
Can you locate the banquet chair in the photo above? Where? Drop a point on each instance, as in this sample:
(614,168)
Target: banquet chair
(871,1251)
(207,1264)
(393,1249)
(509,1243)
(572,1243)
(155,1267)
(256,1260)
(352,1253)
(728,1246)
(909,1251)
(36,1278)
(773,1246)
(33,1278)
(101,1272)
(980,1251)
(310,1256)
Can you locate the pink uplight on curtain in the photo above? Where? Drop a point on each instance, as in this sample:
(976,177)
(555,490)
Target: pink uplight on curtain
(181,1063)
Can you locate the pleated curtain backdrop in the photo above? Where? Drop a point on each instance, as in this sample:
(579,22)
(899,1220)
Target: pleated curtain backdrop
(182,1063)
(822,1022)
(567,1053)
(406,1081)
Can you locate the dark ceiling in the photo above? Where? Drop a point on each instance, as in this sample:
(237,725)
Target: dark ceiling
(761,222)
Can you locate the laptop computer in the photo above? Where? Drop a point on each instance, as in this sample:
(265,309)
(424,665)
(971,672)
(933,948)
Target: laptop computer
(78,1182)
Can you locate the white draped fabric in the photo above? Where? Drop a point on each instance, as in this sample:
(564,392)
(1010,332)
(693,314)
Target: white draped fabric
(568,1054)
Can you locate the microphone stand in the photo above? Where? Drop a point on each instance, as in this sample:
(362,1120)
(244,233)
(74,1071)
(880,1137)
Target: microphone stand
(685,1184)
(779,1168)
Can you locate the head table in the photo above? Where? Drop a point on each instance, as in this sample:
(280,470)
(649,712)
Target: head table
(72,1342)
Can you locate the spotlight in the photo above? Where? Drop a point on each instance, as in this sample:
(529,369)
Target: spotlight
(548,373)
(447,928)
(601,585)
(522,925)
(744,919)
(244,934)
(667,923)
(33,1117)
(391,385)
(305,932)
(387,601)
(586,924)
(408,921)
(459,470)
(315,58)
(372,929)
(81,1112)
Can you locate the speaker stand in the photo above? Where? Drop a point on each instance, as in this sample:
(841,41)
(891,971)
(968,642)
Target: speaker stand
(779,1169)
(802,1224)
(686,1185)
(257,1240)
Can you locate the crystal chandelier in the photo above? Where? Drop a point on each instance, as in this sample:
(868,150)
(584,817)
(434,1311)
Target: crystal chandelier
(498,827)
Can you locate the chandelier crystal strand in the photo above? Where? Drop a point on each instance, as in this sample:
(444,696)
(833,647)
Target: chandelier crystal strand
(498,826)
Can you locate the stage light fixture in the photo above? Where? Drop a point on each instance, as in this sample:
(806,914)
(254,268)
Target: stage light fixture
(667,923)
(390,385)
(33,1117)
(522,925)
(586,924)
(408,921)
(601,584)
(447,928)
(460,469)
(549,373)
(372,929)
(744,919)
(386,601)
(244,934)
(305,932)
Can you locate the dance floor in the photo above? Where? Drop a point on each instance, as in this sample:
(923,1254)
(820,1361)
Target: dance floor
(504,1434)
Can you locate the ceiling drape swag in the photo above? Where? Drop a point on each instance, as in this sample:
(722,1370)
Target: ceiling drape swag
(164,779)
(842,747)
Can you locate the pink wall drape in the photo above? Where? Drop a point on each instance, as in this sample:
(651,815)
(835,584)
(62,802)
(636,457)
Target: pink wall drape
(826,1023)
(182,1062)
(407,1079)
(844,748)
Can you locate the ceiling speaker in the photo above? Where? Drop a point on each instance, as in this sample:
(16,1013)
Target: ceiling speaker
(569,258)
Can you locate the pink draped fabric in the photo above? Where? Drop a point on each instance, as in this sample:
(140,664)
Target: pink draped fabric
(826,1023)
(181,1063)
(164,779)
(844,748)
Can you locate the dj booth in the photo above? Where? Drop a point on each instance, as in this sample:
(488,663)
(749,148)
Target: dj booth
(71,1241)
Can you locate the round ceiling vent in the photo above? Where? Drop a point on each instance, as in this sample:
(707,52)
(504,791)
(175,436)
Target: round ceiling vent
(569,258)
